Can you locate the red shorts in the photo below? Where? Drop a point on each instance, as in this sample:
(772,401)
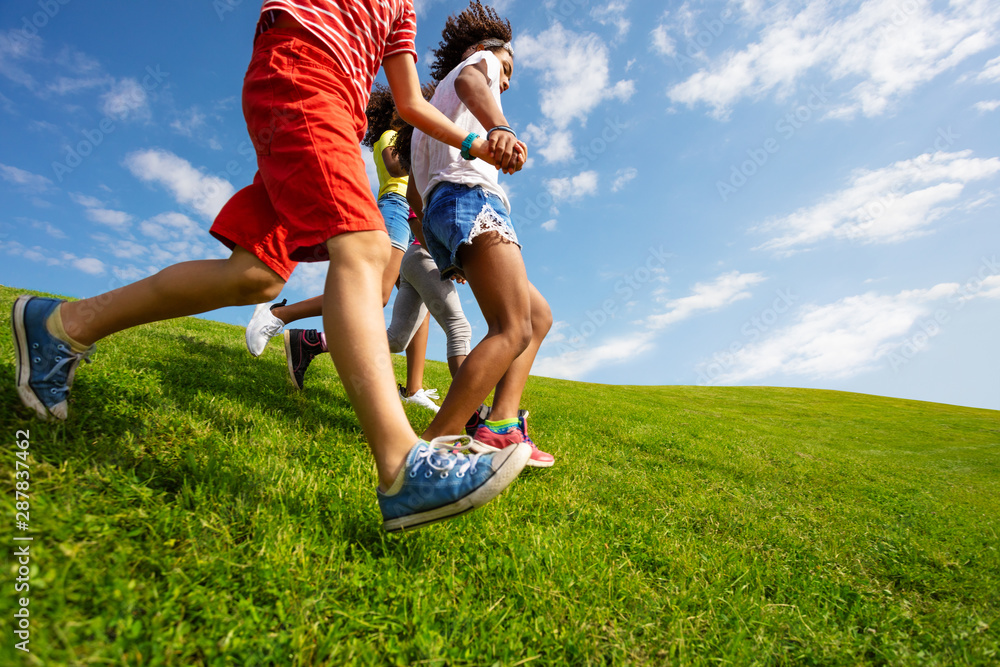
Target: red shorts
(306,125)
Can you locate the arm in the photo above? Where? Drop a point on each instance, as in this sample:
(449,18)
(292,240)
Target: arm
(401,73)
(391,163)
(473,88)
(417,204)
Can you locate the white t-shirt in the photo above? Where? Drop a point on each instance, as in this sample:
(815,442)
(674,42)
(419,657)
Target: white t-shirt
(433,162)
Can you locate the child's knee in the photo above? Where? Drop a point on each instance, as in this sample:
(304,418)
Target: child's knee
(520,334)
(541,319)
(396,344)
(260,287)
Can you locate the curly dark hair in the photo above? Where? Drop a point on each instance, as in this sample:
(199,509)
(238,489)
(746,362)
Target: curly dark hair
(381,113)
(472,26)
(401,147)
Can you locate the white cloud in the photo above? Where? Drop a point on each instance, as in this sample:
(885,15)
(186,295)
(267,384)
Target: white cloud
(42,255)
(166,226)
(126,100)
(574,363)
(893,48)
(986,106)
(96,211)
(573,359)
(189,186)
(572,188)
(991,73)
(575,79)
(309,279)
(663,44)
(94,267)
(190,121)
(724,290)
(115,219)
(622,177)
(49,229)
(844,338)
(613,13)
(25,180)
(886,205)
(550,225)
(86,200)
(553,145)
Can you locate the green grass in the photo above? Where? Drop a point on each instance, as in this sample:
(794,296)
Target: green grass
(195,510)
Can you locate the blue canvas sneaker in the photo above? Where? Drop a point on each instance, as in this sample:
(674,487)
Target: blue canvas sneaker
(440,481)
(45,365)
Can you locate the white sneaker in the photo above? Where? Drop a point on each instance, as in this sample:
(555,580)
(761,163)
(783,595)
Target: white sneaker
(422,398)
(263,326)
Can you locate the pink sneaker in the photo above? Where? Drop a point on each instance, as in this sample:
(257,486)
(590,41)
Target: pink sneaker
(486,441)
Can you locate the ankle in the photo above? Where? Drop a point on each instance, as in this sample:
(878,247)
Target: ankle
(63,326)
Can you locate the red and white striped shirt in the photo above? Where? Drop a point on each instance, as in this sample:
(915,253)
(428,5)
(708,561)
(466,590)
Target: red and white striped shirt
(359,33)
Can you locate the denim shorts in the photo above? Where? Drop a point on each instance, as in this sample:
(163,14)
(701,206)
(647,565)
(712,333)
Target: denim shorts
(396,212)
(456,214)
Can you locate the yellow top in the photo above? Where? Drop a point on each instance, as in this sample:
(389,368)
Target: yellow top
(387,183)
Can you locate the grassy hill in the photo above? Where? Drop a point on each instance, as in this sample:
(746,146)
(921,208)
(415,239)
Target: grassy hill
(195,510)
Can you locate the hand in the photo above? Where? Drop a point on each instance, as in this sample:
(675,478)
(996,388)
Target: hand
(521,155)
(503,146)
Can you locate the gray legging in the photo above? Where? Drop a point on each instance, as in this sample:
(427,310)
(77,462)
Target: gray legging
(420,289)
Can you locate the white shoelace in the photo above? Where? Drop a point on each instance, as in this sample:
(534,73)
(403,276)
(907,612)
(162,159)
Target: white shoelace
(443,456)
(272,329)
(70,358)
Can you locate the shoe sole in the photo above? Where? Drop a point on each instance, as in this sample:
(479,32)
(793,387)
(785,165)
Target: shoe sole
(483,448)
(501,479)
(288,360)
(433,408)
(23,361)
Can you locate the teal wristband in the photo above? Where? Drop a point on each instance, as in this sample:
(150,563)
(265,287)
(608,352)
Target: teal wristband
(467,144)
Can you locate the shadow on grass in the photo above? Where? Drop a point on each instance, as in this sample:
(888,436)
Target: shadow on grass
(118,418)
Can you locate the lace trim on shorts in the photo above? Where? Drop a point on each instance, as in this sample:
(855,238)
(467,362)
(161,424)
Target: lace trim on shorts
(489,220)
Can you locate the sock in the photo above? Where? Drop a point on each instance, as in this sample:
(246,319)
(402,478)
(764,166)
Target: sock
(322,341)
(400,478)
(502,426)
(54,326)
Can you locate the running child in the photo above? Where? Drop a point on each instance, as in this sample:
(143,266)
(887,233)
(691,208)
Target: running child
(301,345)
(304,97)
(469,233)
(420,290)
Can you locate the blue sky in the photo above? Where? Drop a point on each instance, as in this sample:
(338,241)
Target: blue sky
(746,193)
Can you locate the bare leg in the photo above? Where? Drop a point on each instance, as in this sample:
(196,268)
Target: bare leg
(506,306)
(416,354)
(507,398)
(314,307)
(360,350)
(188,288)
(454,363)
(391,274)
(299,311)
